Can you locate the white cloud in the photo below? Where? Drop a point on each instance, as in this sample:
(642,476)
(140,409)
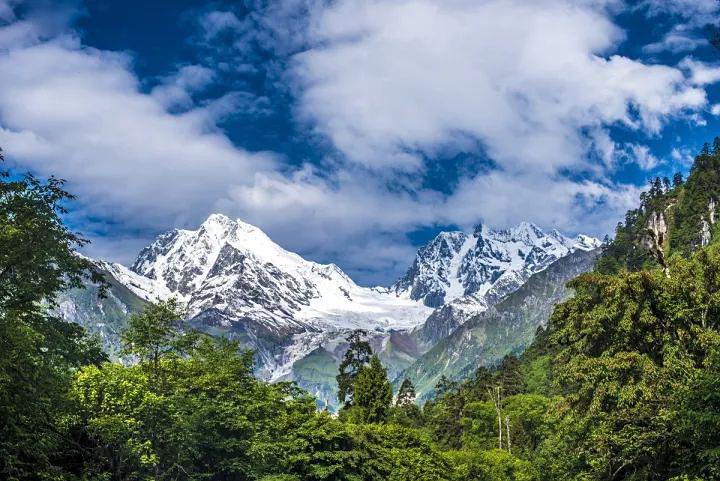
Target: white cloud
(526,78)
(690,16)
(696,12)
(682,156)
(78,112)
(175,91)
(386,83)
(641,155)
(569,206)
(216,22)
(701,73)
(679,39)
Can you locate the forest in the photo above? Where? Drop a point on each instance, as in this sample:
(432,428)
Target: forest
(621,385)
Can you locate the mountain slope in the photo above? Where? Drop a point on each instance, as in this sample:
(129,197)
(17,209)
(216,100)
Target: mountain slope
(508,327)
(102,317)
(463,274)
(234,281)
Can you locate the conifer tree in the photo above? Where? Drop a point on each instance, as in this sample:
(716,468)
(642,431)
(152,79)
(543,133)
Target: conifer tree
(372,391)
(406,394)
(509,376)
(677,179)
(356,357)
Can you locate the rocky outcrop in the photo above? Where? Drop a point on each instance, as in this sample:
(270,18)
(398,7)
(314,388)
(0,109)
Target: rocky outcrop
(706,224)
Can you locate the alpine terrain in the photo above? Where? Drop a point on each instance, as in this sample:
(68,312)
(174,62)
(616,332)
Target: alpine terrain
(234,281)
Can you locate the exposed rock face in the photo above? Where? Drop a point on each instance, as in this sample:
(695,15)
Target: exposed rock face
(234,281)
(705,232)
(656,237)
(508,327)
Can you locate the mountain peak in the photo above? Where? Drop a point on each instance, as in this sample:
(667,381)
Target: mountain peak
(489,264)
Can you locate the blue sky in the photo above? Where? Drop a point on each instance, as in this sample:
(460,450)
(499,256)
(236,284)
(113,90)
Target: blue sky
(352,132)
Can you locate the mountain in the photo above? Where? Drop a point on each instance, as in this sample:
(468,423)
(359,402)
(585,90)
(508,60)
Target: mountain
(234,281)
(104,317)
(505,328)
(463,274)
(485,264)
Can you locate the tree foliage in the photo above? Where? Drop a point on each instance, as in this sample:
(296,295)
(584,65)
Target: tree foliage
(355,358)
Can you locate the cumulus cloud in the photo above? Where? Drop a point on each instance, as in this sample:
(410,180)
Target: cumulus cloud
(701,73)
(387,84)
(78,112)
(563,202)
(535,82)
(526,78)
(175,91)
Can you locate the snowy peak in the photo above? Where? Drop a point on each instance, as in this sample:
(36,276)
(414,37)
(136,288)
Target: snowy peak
(434,265)
(586,243)
(486,265)
(234,268)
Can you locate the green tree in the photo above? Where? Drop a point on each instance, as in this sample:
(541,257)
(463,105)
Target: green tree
(155,332)
(356,357)
(509,377)
(406,393)
(38,351)
(373,392)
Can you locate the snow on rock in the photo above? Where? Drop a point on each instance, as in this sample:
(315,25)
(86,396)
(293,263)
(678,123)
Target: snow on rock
(231,274)
(465,273)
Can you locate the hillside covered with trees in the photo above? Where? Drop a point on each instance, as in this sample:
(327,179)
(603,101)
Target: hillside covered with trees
(622,385)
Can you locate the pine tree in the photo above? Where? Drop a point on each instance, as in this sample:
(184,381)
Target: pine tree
(444,386)
(373,393)
(356,357)
(509,376)
(666,184)
(406,394)
(677,179)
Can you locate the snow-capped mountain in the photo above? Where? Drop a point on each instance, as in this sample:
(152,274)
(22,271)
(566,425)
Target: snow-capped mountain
(508,326)
(230,274)
(462,274)
(234,281)
(486,264)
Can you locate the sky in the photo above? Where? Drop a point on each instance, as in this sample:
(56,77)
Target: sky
(354,131)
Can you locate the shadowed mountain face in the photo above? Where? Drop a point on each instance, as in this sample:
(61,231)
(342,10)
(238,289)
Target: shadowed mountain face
(234,281)
(507,327)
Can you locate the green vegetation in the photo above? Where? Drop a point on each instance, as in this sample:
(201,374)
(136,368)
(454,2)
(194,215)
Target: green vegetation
(682,210)
(622,385)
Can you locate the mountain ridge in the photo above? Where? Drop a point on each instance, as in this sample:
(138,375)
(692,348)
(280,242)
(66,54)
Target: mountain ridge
(235,281)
